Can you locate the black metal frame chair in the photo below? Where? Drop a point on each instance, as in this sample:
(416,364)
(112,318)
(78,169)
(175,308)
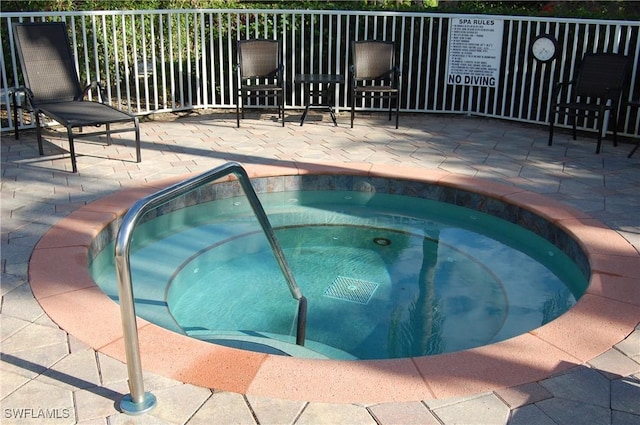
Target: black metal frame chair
(596,88)
(374,73)
(54,90)
(260,74)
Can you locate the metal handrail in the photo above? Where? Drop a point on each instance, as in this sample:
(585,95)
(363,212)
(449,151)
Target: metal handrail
(138,401)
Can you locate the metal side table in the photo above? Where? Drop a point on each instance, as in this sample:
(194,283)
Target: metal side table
(319,86)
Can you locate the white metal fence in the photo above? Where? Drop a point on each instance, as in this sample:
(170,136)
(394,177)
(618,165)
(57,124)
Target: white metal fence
(171,60)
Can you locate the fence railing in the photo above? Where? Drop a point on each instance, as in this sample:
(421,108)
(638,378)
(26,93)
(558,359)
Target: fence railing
(172,60)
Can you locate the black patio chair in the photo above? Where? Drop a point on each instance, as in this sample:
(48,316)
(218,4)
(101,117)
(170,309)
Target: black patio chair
(54,90)
(597,88)
(374,74)
(260,74)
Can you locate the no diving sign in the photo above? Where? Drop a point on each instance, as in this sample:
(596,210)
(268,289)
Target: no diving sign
(475,47)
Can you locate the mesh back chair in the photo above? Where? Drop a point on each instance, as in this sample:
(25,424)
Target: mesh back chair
(260,73)
(596,89)
(375,74)
(54,89)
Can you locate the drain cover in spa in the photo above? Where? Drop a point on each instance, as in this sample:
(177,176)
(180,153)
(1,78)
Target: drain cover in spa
(350,289)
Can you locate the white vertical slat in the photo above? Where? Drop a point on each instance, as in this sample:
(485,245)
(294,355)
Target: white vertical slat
(145,75)
(212,60)
(180,61)
(172,71)
(187,48)
(336,69)
(321,45)
(535,67)
(418,84)
(14,70)
(346,61)
(514,70)
(204,80)
(455,88)
(294,55)
(11,125)
(438,66)
(135,61)
(551,81)
(154,62)
(95,76)
(107,69)
(491,106)
(221,65)
(193,30)
(313,43)
(85,51)
(525,69)
(125,58)
(585,43)
(232,58)
(408,78)
(14,56)
(618,41)
(427,76)
(163,66)
(366,28)
(506,58)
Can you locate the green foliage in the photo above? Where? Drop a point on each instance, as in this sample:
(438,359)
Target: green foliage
(579,9)
(627,10)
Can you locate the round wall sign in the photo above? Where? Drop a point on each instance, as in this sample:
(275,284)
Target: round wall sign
(544,48)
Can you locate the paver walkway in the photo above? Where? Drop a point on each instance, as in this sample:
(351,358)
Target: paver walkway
(47,376)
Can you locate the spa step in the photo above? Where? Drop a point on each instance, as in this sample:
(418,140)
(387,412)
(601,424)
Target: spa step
(265,342)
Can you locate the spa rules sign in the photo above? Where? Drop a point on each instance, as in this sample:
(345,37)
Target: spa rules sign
(475,46)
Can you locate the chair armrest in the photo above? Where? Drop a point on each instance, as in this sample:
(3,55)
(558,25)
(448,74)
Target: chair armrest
(397,74)
(28,95)
(94,85)
(280,74)
(559,86)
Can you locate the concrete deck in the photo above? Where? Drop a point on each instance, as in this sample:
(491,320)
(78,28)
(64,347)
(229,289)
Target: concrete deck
(50,376)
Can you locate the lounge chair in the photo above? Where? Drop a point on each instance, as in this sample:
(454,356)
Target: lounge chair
(54,90)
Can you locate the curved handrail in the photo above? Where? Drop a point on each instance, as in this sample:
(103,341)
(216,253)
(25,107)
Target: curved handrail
(139,401)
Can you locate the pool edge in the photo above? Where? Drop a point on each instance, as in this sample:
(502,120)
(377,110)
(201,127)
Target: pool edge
(610,303)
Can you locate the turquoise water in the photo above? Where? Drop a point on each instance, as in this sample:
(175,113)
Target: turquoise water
(385,276)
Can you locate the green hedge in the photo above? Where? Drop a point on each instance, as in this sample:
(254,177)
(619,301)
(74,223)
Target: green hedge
(627,10)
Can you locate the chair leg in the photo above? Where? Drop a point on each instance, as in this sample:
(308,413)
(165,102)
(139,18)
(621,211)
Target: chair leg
(281,106)
(136,122)
(14,105)
(72,150)
(600,128)
(107,127)
(238,111)
(397,110)
(551,122)
(39,133)
(353,107)
(615,128)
